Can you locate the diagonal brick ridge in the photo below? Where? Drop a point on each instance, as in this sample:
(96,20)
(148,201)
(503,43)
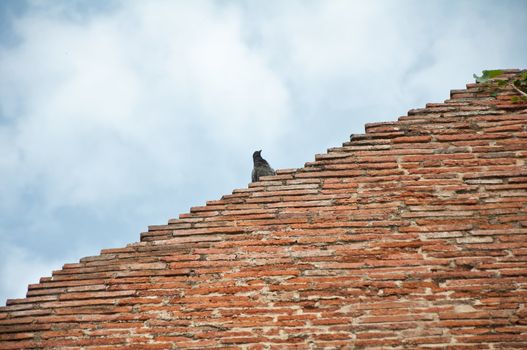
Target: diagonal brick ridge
(410,236)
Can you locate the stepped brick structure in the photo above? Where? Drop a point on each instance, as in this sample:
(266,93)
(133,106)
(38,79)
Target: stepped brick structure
(411,236)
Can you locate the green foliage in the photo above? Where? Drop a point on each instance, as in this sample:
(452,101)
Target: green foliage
(493,86)
(521,82)
(518,99)
(488,75)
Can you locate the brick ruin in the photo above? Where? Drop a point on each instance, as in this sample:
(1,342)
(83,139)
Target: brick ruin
(410,236)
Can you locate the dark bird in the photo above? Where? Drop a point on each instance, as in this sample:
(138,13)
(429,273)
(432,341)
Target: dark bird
(261,167)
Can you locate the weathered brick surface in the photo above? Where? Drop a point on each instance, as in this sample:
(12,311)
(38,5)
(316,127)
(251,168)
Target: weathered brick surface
(413,235)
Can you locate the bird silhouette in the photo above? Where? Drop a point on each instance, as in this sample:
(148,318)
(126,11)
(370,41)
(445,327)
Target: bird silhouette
(261,167)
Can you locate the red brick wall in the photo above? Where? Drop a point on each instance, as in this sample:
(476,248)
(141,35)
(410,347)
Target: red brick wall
(411,236)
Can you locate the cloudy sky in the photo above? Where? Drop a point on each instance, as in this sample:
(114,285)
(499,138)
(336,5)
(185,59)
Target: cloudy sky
(115,115)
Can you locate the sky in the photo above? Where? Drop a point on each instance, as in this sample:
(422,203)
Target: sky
(116,115)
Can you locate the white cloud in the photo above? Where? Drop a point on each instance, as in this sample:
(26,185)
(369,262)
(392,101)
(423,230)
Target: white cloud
(19,268)
(98,101)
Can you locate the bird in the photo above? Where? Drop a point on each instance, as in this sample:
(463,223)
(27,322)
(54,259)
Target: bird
(260,167)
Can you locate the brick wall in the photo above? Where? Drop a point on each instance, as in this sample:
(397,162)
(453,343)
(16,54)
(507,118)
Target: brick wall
(410,236)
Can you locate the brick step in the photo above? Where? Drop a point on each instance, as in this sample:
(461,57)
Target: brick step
(374,232)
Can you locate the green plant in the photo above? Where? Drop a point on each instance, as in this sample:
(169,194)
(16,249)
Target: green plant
(487,75)
(520,84)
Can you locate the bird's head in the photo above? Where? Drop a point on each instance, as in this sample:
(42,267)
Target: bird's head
(257,154)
